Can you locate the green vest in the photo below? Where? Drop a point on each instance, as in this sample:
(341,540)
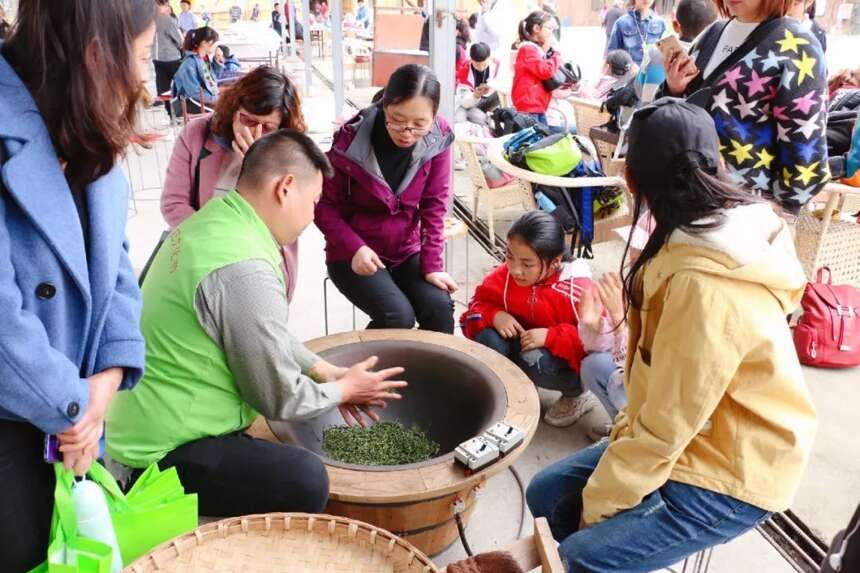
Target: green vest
(188,391)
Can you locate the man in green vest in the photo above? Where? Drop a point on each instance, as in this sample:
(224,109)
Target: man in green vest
(219,352)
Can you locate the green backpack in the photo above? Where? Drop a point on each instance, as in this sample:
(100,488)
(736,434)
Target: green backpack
(555,154)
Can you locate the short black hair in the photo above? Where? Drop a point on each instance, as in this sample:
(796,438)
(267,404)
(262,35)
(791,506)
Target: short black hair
(185,2)
(479,52)
(225,50)
(473,20)
(280,153)
(694,16)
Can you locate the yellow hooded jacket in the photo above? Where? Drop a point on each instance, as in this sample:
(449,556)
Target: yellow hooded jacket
(716,393)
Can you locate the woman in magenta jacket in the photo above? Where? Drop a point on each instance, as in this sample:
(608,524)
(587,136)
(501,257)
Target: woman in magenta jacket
(208,155)
(536,61)
(383,212)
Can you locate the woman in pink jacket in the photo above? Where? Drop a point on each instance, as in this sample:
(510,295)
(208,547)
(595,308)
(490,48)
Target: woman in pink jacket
(208,155)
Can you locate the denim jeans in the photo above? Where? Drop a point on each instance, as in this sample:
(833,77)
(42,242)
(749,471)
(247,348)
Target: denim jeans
(670,524)
(598,375)
(544,369)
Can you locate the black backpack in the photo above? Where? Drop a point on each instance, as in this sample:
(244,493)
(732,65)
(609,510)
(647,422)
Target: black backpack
(507,120)
(617,99)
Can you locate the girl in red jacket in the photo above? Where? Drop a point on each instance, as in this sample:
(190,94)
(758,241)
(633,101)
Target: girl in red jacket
(536,61)
(527,310)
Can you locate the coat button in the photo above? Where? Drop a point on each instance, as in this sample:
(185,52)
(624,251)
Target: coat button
(46,291)
(73,410)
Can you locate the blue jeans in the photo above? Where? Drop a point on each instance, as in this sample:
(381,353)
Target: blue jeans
(544,369)
(541,118)
(670,524)
(597,370)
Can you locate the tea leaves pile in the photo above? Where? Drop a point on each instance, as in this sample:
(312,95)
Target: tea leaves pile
(382,444)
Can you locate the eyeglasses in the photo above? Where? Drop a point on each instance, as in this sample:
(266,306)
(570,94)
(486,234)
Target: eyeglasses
(252,122)
(401,128)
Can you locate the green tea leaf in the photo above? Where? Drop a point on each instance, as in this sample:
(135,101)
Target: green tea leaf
(382,444)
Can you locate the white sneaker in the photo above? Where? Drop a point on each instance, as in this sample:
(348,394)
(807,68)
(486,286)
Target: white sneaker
(568,410)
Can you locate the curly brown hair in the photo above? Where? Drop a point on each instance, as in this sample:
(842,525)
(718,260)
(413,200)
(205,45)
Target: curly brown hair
(260,92)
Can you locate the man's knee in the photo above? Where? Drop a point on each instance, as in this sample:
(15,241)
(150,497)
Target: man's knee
(309,480)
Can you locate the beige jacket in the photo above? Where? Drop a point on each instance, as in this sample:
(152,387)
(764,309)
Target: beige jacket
(716,394)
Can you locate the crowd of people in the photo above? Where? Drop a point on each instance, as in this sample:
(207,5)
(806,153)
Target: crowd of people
(712,424)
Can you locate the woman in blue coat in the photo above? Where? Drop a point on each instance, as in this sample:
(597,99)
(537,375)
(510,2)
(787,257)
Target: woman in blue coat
(71,75)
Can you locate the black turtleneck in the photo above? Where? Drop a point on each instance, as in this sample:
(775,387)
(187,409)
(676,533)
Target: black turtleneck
(393,160)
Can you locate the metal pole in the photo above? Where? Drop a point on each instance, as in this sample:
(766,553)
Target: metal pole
(443,50)
(337,55)
(291,20)
(306,36)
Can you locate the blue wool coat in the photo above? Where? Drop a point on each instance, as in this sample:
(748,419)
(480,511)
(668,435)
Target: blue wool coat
(65,315)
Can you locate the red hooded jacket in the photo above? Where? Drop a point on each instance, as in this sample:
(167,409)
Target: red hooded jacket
(531,68)
(551,304)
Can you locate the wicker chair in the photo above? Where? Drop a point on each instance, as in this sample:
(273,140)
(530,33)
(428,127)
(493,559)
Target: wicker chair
(517,192)
(830,235)
(588,114)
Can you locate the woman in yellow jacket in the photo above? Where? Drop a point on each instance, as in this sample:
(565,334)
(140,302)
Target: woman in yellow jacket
(719,424)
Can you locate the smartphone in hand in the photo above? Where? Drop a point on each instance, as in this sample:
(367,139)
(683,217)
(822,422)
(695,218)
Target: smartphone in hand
(670,48)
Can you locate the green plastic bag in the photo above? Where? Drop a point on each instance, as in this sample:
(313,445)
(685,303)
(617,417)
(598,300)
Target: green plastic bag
(555,155)
(156,509)
(68,552)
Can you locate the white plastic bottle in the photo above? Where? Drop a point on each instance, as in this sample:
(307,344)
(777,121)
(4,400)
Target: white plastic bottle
(93,517)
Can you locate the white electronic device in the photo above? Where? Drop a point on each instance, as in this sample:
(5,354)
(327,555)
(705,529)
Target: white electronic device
(476,453)
(504,436)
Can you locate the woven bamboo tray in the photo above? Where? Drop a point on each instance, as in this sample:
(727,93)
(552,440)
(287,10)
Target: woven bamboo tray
(285,543)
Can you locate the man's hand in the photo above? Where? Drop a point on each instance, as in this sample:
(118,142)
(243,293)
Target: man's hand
(363,387)
(507,325)
(324,371)
(533,339)
(366,262)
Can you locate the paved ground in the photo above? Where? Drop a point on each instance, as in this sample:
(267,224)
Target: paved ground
(831,487)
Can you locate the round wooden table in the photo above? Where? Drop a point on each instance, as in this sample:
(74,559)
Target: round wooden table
(417,503)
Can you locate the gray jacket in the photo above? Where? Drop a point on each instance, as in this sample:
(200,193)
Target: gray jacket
(168,39)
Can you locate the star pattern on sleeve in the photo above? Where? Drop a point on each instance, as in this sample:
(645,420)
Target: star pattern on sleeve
(768,111)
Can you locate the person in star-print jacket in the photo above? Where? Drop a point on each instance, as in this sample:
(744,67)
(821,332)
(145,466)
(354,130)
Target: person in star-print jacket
(769,108)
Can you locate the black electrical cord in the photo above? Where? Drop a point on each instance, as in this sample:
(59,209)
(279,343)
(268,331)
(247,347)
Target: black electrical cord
(462,531)
(522,487)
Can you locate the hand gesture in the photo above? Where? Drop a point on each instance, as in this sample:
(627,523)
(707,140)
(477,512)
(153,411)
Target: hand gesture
(591,309)
(679,73)
(533,339)
(362,389)
(507,325)
(244,138)
(80,443)
(365,262)
(611,291)
(442,281)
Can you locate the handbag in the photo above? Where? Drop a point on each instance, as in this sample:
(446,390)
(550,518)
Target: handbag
(539,151)
(69,552)
(567,75)
(828,332)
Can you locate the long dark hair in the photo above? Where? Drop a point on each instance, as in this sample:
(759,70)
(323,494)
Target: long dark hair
(76,58)
(195,38)
(260,92)
(691,199)
(409,81)
(537,18)
(543,234)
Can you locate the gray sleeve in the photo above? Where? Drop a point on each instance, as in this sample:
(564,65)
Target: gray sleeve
(243,308)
